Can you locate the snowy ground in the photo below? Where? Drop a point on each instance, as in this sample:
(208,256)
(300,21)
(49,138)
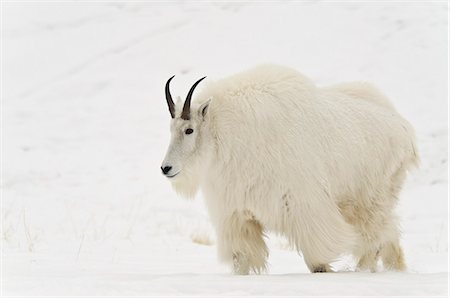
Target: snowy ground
(85,127)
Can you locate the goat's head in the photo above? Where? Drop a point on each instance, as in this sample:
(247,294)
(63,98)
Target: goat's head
(187,136)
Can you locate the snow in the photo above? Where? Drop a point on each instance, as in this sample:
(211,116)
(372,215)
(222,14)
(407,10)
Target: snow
(85,210)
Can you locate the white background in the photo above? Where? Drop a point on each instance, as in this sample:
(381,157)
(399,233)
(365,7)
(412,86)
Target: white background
(85,209)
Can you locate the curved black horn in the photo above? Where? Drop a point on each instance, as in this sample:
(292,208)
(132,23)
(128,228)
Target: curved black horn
(187,104)
(169,99)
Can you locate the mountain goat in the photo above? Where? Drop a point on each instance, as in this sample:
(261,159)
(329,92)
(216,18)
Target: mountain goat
(271,151)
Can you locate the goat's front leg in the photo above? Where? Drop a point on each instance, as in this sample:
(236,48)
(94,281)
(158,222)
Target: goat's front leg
(241,243)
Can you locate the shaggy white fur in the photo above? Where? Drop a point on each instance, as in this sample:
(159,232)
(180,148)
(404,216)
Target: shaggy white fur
(322,166)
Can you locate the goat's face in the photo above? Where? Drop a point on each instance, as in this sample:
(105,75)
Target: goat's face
(186,141)
(187,129)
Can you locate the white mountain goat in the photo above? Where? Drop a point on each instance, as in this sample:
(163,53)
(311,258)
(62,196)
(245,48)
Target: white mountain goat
(273,152)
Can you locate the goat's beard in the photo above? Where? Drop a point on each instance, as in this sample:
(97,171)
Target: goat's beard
(187,182)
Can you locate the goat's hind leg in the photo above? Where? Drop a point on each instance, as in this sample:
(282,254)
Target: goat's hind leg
(381,227)
(391,251)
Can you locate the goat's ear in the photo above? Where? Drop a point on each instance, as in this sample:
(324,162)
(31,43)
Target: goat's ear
(203,109)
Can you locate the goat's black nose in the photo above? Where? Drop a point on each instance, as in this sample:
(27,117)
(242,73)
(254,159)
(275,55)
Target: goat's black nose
(165,170)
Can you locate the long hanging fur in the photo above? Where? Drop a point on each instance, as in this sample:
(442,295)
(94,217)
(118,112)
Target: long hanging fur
(322,166)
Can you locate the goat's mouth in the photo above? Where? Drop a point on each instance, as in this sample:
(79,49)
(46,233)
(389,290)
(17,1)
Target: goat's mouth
(171,176)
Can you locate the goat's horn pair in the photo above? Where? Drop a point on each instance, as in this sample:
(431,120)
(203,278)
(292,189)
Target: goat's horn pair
(186,113)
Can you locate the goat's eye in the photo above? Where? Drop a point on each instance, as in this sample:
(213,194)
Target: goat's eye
(188,131)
